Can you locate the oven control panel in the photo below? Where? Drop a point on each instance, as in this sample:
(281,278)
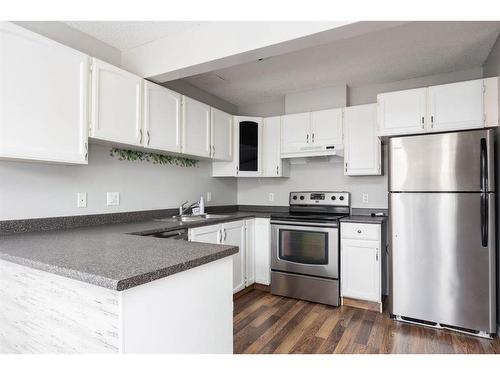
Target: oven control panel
(323,198)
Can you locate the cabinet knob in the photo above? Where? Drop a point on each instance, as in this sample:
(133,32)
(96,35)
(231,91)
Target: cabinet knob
(359,230)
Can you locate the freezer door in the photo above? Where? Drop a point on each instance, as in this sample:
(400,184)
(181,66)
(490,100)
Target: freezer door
(441,272)
(460,161)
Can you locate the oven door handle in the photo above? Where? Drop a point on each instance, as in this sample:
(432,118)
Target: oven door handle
(305,224)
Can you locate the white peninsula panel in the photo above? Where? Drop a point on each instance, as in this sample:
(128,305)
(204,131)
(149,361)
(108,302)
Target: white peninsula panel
(188,312)
(46,313)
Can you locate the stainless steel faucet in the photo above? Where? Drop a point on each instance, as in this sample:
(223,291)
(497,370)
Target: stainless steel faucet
(183,209)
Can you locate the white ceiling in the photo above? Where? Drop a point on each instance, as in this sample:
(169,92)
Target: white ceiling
(412,50)
(124,35)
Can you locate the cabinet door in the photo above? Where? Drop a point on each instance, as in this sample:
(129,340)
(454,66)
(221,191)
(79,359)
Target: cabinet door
(43,98)
(229,168)
(360,272)
(196,128)
(249,146)
(250,252)
(456,106)
(233,233)
(262,249)
(402,112)
(362,145)
(273,165)
(295,132)
(116,104)
(222,130)
(326,127)
(162,118)
(208,234)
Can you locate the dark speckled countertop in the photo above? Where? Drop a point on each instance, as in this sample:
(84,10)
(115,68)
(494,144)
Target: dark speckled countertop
(116,256)
(364,219)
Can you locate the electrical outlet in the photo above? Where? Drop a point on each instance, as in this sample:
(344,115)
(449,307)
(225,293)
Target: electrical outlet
(209,196)
(365,197)
(82,200)
(113,198)
(271,197)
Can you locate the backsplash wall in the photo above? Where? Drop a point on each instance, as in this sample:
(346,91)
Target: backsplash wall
(315,175)
(32,190)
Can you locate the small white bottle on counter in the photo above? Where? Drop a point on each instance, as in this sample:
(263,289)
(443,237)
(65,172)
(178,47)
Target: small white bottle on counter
(201,205)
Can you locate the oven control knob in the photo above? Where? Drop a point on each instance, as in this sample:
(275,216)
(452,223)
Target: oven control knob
(333,197)
(301,197)
(341,198)
(294,197)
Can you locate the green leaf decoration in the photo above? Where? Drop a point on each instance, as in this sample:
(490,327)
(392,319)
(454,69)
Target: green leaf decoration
(132,155)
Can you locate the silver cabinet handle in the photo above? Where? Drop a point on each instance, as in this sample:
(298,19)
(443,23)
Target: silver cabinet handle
(237,169)
(313,138)
(359,230)
(432,121)
(140,134)
(376,255)
(225,235)
(423,122)
(277,170)
(219,236)
(149,137)
(307,138)
(86,151)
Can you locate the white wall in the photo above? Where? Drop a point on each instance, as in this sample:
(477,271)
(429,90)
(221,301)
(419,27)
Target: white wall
(185,88)
(29,190)
(320,175)
(73,38)
(491,68)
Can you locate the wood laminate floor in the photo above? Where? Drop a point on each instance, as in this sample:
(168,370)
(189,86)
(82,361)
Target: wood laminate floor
(264,323)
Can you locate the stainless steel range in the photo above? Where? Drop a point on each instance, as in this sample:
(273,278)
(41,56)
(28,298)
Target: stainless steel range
(305,246)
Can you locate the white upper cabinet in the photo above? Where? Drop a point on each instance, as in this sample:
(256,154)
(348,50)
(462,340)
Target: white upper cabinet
(273,165)
(162,118)
(326,127)
(402,112)
(456,106)
(195,128)
(116,105)
(362,145)
(221,138)
(317,133)
(43,98)
(295,132)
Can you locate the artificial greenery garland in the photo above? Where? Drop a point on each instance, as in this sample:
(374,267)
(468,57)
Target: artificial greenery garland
(132,155)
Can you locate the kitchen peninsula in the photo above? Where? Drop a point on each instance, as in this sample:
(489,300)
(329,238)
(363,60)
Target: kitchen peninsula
(111,289)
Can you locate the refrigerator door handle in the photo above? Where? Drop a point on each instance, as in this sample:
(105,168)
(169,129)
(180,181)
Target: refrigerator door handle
(484,219)
(484,166)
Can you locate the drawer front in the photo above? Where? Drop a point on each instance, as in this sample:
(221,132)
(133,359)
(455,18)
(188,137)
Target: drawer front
(360,231)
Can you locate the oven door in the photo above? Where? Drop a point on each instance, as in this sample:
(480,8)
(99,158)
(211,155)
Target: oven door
(305,248)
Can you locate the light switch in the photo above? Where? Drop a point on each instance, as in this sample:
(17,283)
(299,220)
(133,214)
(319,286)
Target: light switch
(271,197)
(209,196)
(365,197)
(113,198)
(82,200)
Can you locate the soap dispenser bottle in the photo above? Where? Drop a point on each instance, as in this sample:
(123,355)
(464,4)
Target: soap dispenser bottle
(201,205)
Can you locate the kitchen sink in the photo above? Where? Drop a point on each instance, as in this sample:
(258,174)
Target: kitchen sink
(193,218)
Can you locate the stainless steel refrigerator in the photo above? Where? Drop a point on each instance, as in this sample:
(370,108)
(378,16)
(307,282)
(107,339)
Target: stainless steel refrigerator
(442,230)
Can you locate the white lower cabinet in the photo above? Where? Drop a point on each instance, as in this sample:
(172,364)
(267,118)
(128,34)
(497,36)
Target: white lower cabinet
(231,233)
(252,264)
(262,251)
(361,261)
